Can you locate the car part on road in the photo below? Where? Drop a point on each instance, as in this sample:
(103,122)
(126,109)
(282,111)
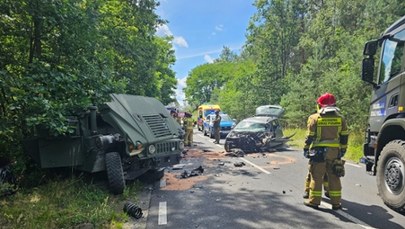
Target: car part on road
(236,153)
(195,172)
(133,210)
(239,164)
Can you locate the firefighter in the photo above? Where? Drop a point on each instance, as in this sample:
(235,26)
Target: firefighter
(188,124)
(217,127)
(325,144)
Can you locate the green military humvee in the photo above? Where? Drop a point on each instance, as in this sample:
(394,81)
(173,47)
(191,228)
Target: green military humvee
(125,137)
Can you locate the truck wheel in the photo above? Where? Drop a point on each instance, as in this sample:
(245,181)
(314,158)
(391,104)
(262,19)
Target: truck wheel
(115,172)
(391,175)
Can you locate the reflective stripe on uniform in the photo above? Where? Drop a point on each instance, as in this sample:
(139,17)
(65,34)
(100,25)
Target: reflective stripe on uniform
(315,193)
(335,193)
(320,144)
(345,132)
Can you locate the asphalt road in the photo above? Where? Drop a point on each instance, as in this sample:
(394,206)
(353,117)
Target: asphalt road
(264,193)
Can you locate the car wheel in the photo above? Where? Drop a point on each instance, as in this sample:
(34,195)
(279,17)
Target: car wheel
(115,173)
(391,175)
(227,146)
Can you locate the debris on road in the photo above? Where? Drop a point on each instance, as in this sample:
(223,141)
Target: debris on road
(195,172)
(239,164)
(236,153)
(133,210)
(178,166)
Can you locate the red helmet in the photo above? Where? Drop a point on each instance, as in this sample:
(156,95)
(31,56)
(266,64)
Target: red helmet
(326,99)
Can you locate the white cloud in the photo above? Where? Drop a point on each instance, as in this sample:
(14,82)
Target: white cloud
(219,27)
(180,41)
(164,30)
(208,58)
(180,96)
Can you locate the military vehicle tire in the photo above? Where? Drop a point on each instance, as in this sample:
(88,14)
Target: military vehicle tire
(115,172)
(391,176)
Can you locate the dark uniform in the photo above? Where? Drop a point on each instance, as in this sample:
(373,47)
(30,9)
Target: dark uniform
(326,141)
(217,127)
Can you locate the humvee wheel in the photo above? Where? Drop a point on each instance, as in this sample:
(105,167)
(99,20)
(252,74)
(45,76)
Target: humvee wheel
(391,175)
(115,172)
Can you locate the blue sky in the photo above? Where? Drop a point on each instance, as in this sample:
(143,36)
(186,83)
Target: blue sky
(201,28)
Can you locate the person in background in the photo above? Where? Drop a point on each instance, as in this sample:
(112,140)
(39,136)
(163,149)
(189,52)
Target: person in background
(217,127)
(188,124)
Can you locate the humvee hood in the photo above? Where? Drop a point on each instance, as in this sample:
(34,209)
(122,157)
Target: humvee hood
(140,118)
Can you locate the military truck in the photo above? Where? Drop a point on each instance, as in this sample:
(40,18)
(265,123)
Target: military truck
(384,147)
(126,137)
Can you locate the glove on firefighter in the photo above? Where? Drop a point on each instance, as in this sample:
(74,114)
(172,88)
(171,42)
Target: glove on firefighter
(342,153)
(338,167)
(306,153)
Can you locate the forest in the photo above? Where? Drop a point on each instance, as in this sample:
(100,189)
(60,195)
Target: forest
(294,52)
(60,56)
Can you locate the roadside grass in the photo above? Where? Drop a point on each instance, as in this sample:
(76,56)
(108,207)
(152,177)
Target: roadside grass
(66,203)
(355,145)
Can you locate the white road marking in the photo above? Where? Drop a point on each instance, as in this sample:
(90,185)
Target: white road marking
(162,220)
(256,166)
(349,217)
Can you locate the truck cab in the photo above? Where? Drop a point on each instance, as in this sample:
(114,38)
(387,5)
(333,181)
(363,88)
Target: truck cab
(384,148)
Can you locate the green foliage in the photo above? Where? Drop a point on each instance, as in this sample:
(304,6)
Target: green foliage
(296,51)
(355,144)
(64,204)
(59,57)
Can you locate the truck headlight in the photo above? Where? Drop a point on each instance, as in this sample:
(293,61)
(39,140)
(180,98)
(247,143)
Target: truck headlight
(181,145)
(152,149)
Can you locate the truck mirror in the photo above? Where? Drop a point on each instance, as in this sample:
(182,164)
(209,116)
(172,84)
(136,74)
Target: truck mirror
(370,48)
(367,70)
